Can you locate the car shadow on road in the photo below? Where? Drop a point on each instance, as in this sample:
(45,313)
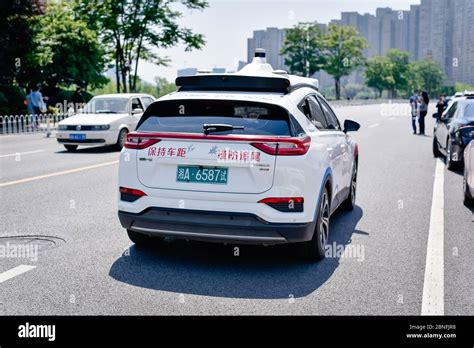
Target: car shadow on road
(212,269)
(90,150)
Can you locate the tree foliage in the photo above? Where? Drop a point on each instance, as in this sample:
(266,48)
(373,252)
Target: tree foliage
(17,31)
(303,49)
(131,29)
(343,53)
(400,69)
(67,51)
(378,74)
(426,74)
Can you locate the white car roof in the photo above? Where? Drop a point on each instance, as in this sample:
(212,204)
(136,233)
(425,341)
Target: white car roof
(298,86)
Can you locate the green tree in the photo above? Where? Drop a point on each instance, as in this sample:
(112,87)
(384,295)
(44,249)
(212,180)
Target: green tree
(400,68)
(426,75)
(67,51)
(163,87)
(378,74)
(303,49)
(17,31)
(343,50)
(132,28)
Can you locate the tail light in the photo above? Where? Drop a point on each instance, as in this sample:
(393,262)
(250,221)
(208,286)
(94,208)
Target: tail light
(140,141)
(130,195)
(285,204)
(285,147)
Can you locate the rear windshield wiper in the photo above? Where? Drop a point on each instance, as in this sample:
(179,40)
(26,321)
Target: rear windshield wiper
(209,128)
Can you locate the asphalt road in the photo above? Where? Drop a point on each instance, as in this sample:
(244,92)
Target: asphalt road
(87,265)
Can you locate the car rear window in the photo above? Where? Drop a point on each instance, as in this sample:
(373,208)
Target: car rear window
(189,116)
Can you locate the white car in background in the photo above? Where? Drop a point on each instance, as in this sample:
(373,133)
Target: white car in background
(105,120)
(256,157)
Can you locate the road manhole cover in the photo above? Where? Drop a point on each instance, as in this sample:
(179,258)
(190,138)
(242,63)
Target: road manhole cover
(40,243)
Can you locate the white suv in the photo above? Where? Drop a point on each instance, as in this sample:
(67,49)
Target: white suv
(255,157)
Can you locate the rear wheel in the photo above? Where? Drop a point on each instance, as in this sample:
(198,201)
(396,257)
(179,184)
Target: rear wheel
(436,152)
(316,247)
(122,138)
(452,165)
(143,240)
(71,148)
(350,202)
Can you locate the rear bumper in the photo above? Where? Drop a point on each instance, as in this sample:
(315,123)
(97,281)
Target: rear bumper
(238,228)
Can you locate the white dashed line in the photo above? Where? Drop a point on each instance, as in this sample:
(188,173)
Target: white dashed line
(21,153)
(21,181)
(11,273)
(433,286)
(374,125)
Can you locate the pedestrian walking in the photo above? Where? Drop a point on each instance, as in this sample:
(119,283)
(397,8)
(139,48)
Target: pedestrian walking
(414,109)
(38,105)
(423,107)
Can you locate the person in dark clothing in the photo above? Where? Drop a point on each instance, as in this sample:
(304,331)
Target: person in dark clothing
(77,99)
(414,110)
(424,102)
(440,105)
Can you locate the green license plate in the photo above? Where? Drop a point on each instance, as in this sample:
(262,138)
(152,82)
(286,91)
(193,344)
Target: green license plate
(204,175)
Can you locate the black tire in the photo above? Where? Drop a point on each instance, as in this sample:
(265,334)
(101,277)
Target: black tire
(350,203)
(122,137)
(71,148)
(468,200)
(143,240)
(315,248)
(452,165)
(436,152)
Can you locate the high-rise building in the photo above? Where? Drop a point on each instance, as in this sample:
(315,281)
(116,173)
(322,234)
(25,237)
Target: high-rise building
(271,40)
(187,72)
(441,30)
(462,59)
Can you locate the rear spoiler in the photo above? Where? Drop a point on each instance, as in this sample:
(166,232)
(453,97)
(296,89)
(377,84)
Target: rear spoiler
(237,83)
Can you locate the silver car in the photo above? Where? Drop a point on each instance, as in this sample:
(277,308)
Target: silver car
(467,133)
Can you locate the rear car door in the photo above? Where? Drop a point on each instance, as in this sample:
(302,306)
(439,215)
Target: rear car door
(227,161)
(342,143)
(332,139)
(442,132)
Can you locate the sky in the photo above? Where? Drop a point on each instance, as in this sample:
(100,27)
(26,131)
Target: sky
(226,25)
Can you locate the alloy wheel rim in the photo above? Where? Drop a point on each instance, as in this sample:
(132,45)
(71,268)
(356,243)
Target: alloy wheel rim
(324,222)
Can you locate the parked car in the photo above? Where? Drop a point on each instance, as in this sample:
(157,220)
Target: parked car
(255,157)
(467,133)
(447,140)
(105,120)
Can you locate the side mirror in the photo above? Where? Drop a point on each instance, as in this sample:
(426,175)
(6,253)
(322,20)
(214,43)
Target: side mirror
(137,111)
(351,126)
(467,132)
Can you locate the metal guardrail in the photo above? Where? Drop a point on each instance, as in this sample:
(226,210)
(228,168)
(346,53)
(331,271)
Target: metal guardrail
(358,102)
(16,124)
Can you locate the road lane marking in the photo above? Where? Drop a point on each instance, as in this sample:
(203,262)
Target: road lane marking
(11,273)
(45,176)
(21,153)
(374,125)
(433,286)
